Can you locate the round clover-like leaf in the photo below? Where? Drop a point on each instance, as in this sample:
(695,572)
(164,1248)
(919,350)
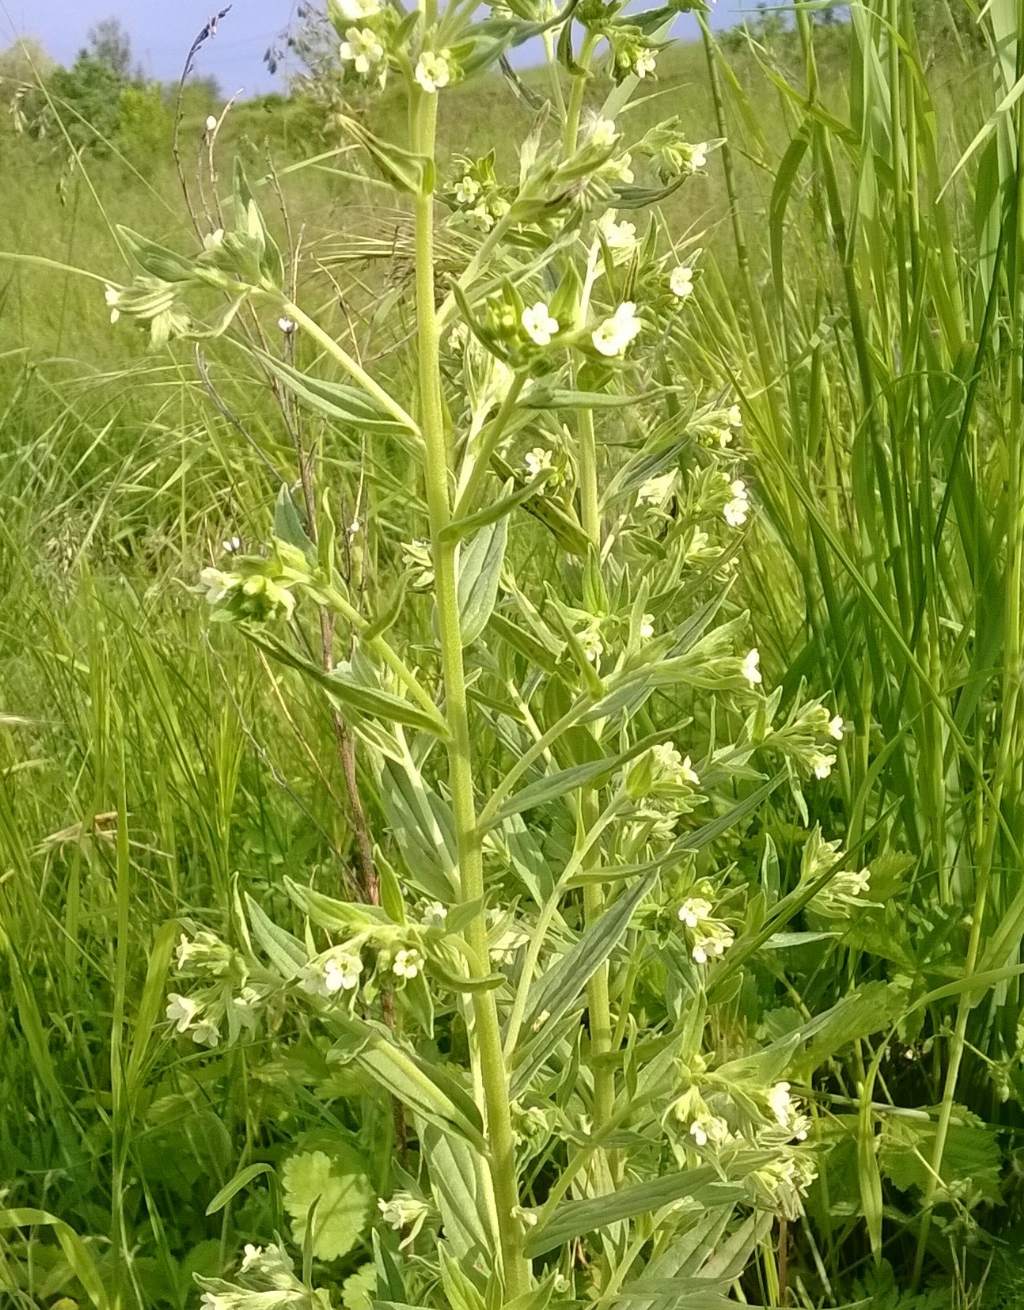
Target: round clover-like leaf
(337,1185)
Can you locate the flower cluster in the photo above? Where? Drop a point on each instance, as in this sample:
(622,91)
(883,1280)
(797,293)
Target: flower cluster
(476,193)
(225,997)
(266,1278)
(709,936)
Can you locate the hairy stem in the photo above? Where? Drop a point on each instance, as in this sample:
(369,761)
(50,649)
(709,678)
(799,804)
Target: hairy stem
(486,1034)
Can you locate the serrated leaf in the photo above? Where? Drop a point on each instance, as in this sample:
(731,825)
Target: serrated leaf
(337,1186)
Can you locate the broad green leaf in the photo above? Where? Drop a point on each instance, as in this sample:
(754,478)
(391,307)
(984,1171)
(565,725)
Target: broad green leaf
(288,523)
(335,400)
(286,952)
(337,1186)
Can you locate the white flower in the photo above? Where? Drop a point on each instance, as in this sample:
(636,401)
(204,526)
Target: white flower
(286,325)
(698,1134)
(619,169)
(602,132)
(362,48)
(822,764)
(657,491)
(615,333)
(483,216)
(250,1256)
(835,728)
(680,281)
(645,63)
(537,461)
(709,1128)
(211,1301)
(211,123)
(698,155)
(407,964)
(113,298)
(355,10)
(672,767)
(467,190)
(694,911)
(733,417)
(736,510)
(647,627)
(205,1033)
(338,972)
(230,547)
(435,914)
(593,647)
(433,70)
(700,955)
(751,668)
(618,236)
(341,973)
(538,324)
(182,1011)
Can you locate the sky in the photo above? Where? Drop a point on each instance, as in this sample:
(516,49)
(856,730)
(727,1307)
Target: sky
(163,30)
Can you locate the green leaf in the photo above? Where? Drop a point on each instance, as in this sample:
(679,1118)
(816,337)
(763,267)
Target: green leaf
(351,694)
(77,1254)
(242,1179)
(559,986)
(286,952)
(337,1186)
(288,525)
(427,1089)
(703,1186)
(335,400)
(498,509)
(479,573)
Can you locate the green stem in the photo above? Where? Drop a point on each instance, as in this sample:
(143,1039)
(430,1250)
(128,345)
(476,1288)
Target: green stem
(598,997)
(486,1034)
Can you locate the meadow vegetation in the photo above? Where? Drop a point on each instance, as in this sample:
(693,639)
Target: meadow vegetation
(511,725)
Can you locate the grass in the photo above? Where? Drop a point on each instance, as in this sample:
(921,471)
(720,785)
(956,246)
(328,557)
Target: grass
(868,314)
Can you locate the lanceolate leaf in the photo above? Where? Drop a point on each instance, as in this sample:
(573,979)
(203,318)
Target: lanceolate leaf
(425,1089)
(556,989)
(479,574)
(704,1186)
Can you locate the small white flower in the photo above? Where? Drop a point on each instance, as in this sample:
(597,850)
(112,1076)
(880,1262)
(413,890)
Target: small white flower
(286,326)
(482,215)
(835,728)
(362,48)
(467,190)
(733,417)
(781,1104)
(680,281)
(694,911)
(615,333)
(602,132)
(211,123)
(698,1133)
(657,491)
(736,510)
(407,964)
(618,236)
(593,646)
(182,1011)
(113,298)
(341,973)
(435,915)
(700,955)
(538,324)
(822,764)
(433,70)
(250,1256)
(645,63)
(724,436)
(647,627)
(698,155)
(205,1033)
(230,547)
(537,461)
(751,668)
(353,11)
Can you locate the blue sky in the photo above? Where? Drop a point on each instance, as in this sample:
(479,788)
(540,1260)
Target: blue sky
(163,30)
